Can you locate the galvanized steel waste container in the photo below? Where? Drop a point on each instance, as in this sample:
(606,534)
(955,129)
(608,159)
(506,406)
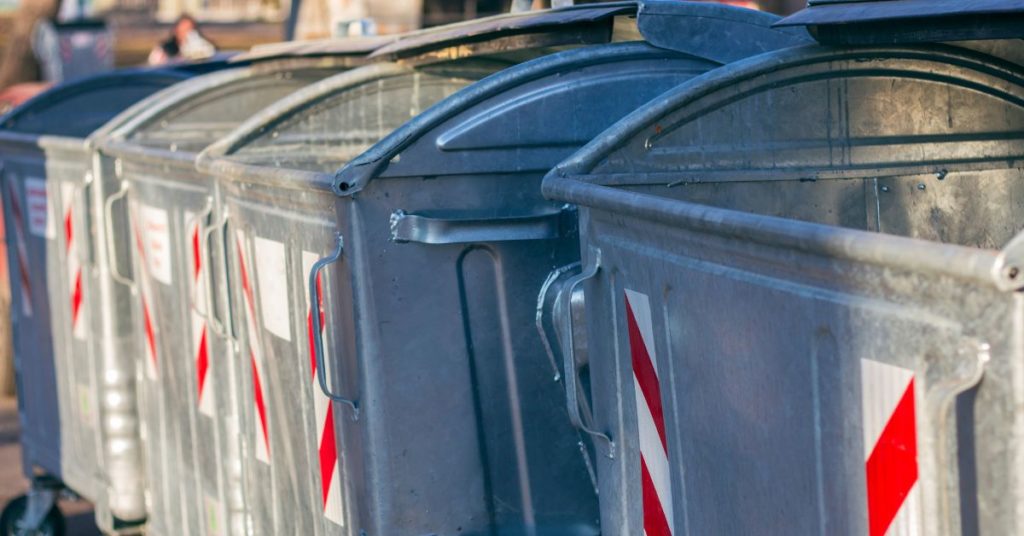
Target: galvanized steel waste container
(802,276)
(274,186)
(76,403)
(448,418)
(188,401)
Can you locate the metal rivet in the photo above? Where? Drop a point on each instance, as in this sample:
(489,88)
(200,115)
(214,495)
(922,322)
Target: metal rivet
(885,188)
(921,186)
(941,174)
(648,144)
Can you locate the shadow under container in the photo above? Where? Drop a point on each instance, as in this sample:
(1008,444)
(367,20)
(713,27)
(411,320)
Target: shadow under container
(185,361)
(76,397)
(802,280)
(448,420)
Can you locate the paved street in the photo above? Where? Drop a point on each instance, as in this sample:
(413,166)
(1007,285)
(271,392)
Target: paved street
(13,483)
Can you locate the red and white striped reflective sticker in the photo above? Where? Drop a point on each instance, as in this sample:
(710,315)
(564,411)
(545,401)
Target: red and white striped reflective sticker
(890,449)
(255,352)
(149,331)
(18,215)
(74,265)
(200,344)
(655,478)
(330,479)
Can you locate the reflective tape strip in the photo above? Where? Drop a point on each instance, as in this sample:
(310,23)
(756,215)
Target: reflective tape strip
(330,479)
(74,266)
(149,330)
(655,478)
(255,356)
(890,449)
(200,343)
(22,249)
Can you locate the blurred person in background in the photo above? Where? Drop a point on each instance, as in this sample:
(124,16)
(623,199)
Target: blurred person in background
(184,43)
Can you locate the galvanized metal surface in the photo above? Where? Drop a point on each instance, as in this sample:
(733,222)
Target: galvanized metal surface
(459,195)
(95,452)
(792,241)
(456,190)
(280,210)
(190,400)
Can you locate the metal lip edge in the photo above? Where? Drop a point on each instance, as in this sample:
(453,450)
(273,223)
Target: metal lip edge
(501,25)
(751,68)
(225,169)
(297,100)
(64,143)
(359,171)
(977,265)
(13,137)
(891,10)
(141,153)
(139,114)
(346,46)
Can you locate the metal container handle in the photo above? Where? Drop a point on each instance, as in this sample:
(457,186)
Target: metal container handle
(318,344)
(406,227)
(204,250)
(569,354)
(108,226)
(194,222)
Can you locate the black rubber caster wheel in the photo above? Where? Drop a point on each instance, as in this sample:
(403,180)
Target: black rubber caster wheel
(12,518)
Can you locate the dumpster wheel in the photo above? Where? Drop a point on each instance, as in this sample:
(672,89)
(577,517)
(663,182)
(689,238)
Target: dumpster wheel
(13,518)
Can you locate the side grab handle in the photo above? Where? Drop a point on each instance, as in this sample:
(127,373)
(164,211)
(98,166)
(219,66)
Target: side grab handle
(564,312)
(108,227)
(318,343)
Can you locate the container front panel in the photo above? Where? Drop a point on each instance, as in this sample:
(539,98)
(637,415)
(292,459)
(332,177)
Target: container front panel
(298,448)
(455,365)
(770,380)
(113,344)
(188,370)
(29,228)
(752,389)
(72,299)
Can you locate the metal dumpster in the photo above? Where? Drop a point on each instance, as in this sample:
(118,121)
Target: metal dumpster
(75,409)
(274,188)
(802,279)
(447,419)
(188,397)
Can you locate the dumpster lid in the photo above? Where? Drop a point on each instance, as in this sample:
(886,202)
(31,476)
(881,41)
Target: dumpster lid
(306,104)
(80,107)
(348,46)
(145,112)
(712,34)
(675,140)
(718,32)
(910,21)
(548,21)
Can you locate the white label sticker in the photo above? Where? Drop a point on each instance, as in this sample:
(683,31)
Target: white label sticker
(272,280)
(156,238)
(39,221)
